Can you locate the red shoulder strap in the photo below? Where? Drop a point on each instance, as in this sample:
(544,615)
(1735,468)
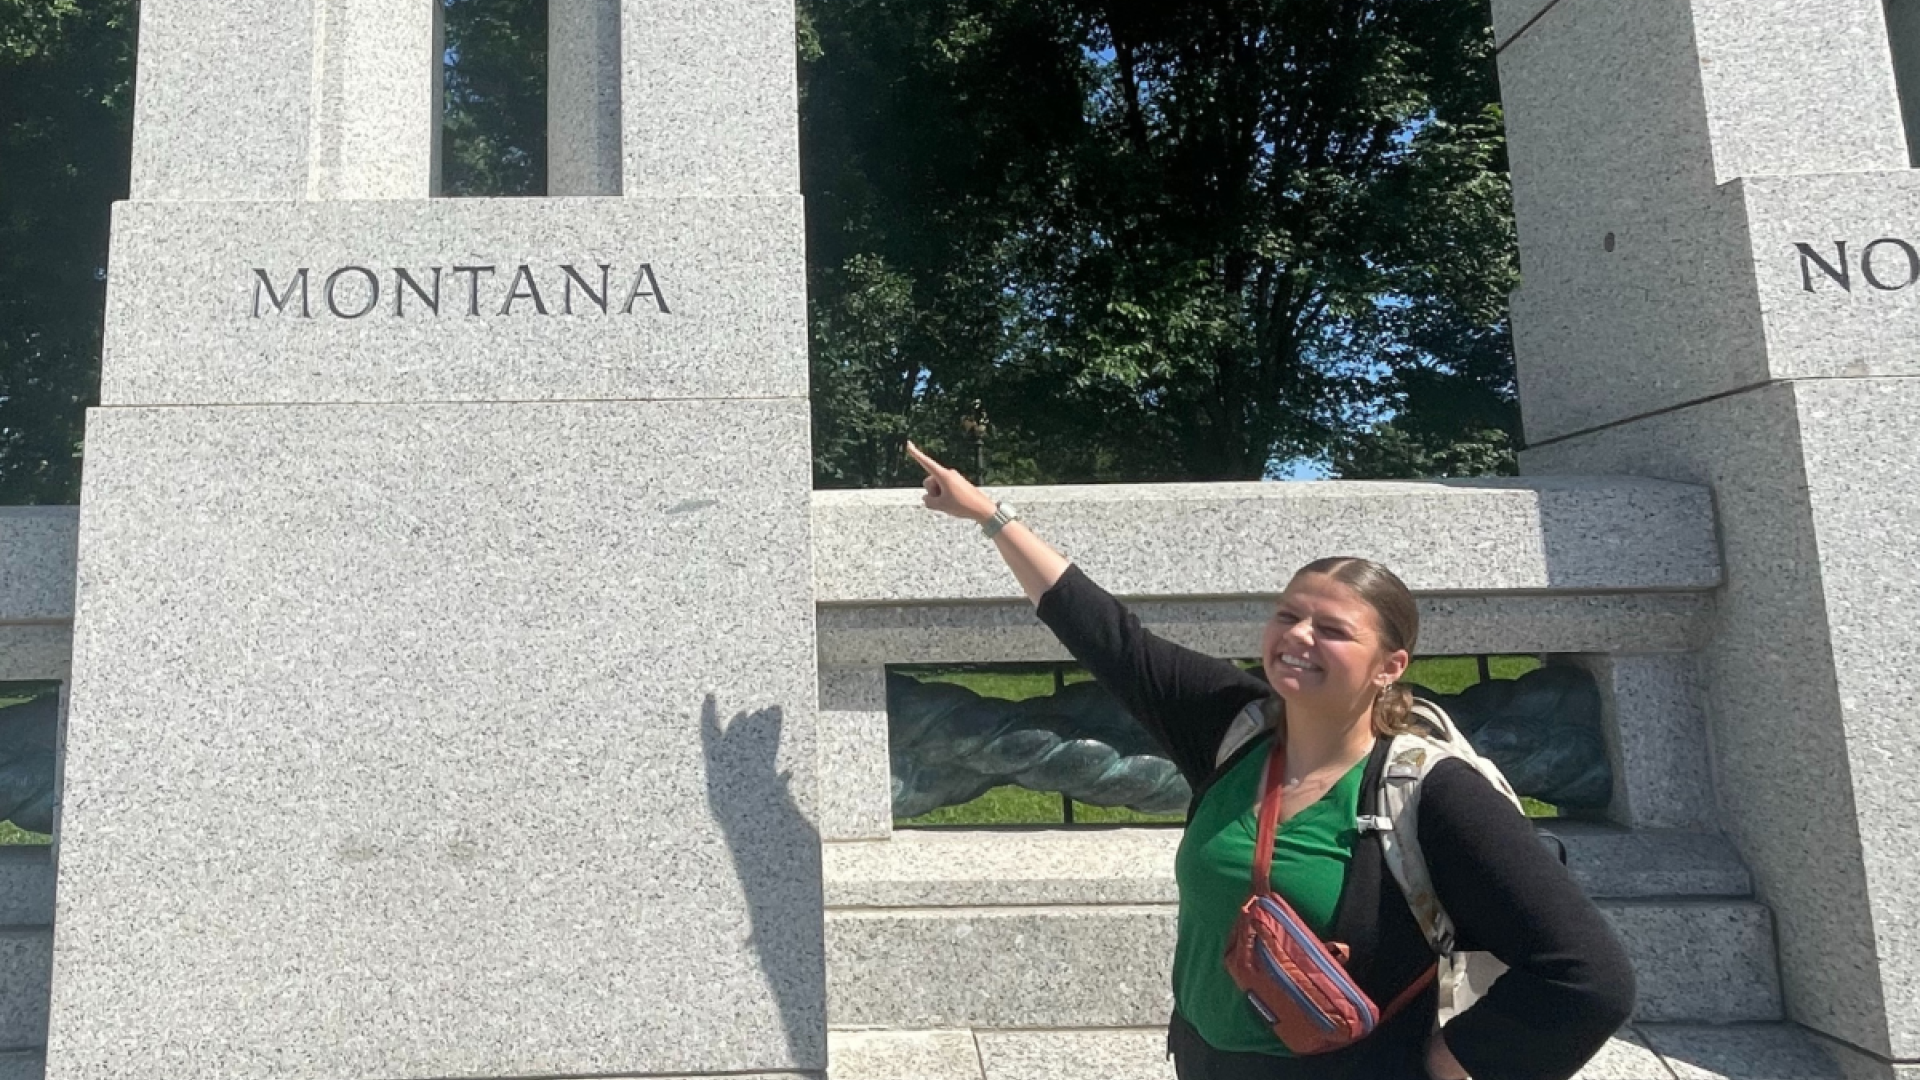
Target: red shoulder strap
(1272,792)
(1406,996)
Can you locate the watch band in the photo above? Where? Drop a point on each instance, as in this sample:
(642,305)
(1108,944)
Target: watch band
(1003,515)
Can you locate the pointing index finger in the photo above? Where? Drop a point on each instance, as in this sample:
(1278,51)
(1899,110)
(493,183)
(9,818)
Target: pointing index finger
(920,458)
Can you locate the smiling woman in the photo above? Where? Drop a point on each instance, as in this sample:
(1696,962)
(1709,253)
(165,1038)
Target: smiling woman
(1361,823)
(1342,632)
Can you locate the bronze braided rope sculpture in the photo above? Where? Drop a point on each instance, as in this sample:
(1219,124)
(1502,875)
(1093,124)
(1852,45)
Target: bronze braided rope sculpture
(950,745)
(28,733)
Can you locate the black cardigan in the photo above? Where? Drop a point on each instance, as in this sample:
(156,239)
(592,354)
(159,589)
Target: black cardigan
(1570,986)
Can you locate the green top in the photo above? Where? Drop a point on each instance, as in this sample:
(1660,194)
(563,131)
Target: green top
(1215,873)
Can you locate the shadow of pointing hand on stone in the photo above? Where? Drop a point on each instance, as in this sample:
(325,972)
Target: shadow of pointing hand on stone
(776,853)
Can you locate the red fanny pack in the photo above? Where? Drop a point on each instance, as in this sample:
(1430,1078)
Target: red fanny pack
(1297,983)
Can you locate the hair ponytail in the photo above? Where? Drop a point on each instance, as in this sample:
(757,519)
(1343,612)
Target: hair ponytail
(1391,710)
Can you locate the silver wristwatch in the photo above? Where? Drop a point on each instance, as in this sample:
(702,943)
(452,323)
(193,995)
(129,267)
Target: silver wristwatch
(1003,515)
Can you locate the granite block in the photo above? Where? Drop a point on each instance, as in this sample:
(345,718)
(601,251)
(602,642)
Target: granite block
(854,635)
(1903,35)
(1000,868)
(338,99)
(1772,682)
(710,97)
(35,652)
(1107,965)
(224,102)
(1741,1052)
(1829,314)
(1623,123)
(706,298)
(1657,736)
(1624,1057)
(856,779)
(1115,1054)
(1636,290)
(1701,961)
(376,99)
(1765,116)
(37,551)
(1857,439)
(1246,539)
(1595,623)
(1511,18)
(1067,967)
(902,1055)
(517,709)
(928,868)
(26,885)
(25,958)
(583,97)
(1851,1063)
(1615,863)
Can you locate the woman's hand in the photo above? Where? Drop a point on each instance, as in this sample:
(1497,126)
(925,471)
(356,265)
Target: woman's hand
(949,492)
(1035,565)
(1441,1064)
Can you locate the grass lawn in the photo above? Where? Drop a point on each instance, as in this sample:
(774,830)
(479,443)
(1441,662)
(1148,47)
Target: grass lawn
(1012,805)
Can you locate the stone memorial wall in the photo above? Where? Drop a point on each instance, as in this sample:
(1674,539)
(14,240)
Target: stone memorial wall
(466,727)
(1715,209)
(444,696)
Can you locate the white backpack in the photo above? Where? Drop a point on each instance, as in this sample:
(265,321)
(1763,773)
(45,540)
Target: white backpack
(1464,977)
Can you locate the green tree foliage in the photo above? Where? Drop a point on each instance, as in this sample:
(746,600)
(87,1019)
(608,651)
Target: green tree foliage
(1144,241)
(495,131)
(1155,241)
(66,95)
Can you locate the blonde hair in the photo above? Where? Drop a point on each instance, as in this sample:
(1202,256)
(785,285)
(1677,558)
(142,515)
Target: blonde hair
(1399,618)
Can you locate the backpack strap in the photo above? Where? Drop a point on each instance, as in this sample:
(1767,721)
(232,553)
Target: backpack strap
(1411,756)
(1397,820)
(1247,726)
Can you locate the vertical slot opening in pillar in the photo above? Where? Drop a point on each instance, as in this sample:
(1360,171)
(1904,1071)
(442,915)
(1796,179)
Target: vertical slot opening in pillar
(494,116)
(1903,34)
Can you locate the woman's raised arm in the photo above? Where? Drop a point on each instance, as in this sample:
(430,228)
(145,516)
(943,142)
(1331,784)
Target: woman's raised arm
(1034,562)
(1186,699)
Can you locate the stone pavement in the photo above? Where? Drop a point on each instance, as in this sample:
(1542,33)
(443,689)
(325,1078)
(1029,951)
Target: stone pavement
(1643,1052)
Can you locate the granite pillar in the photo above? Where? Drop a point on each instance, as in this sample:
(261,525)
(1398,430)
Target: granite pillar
(707,95)
(192,138)
(377,99)
(444,672)
(286,99)
(856,780)
(583,97)
(1713,209)
(1657,739)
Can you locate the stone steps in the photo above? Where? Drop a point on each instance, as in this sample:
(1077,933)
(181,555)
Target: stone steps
(1708,961)
(26,957)
(26,973)
(1074,929)
(1642,1052)
(990,867)
(940,939)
